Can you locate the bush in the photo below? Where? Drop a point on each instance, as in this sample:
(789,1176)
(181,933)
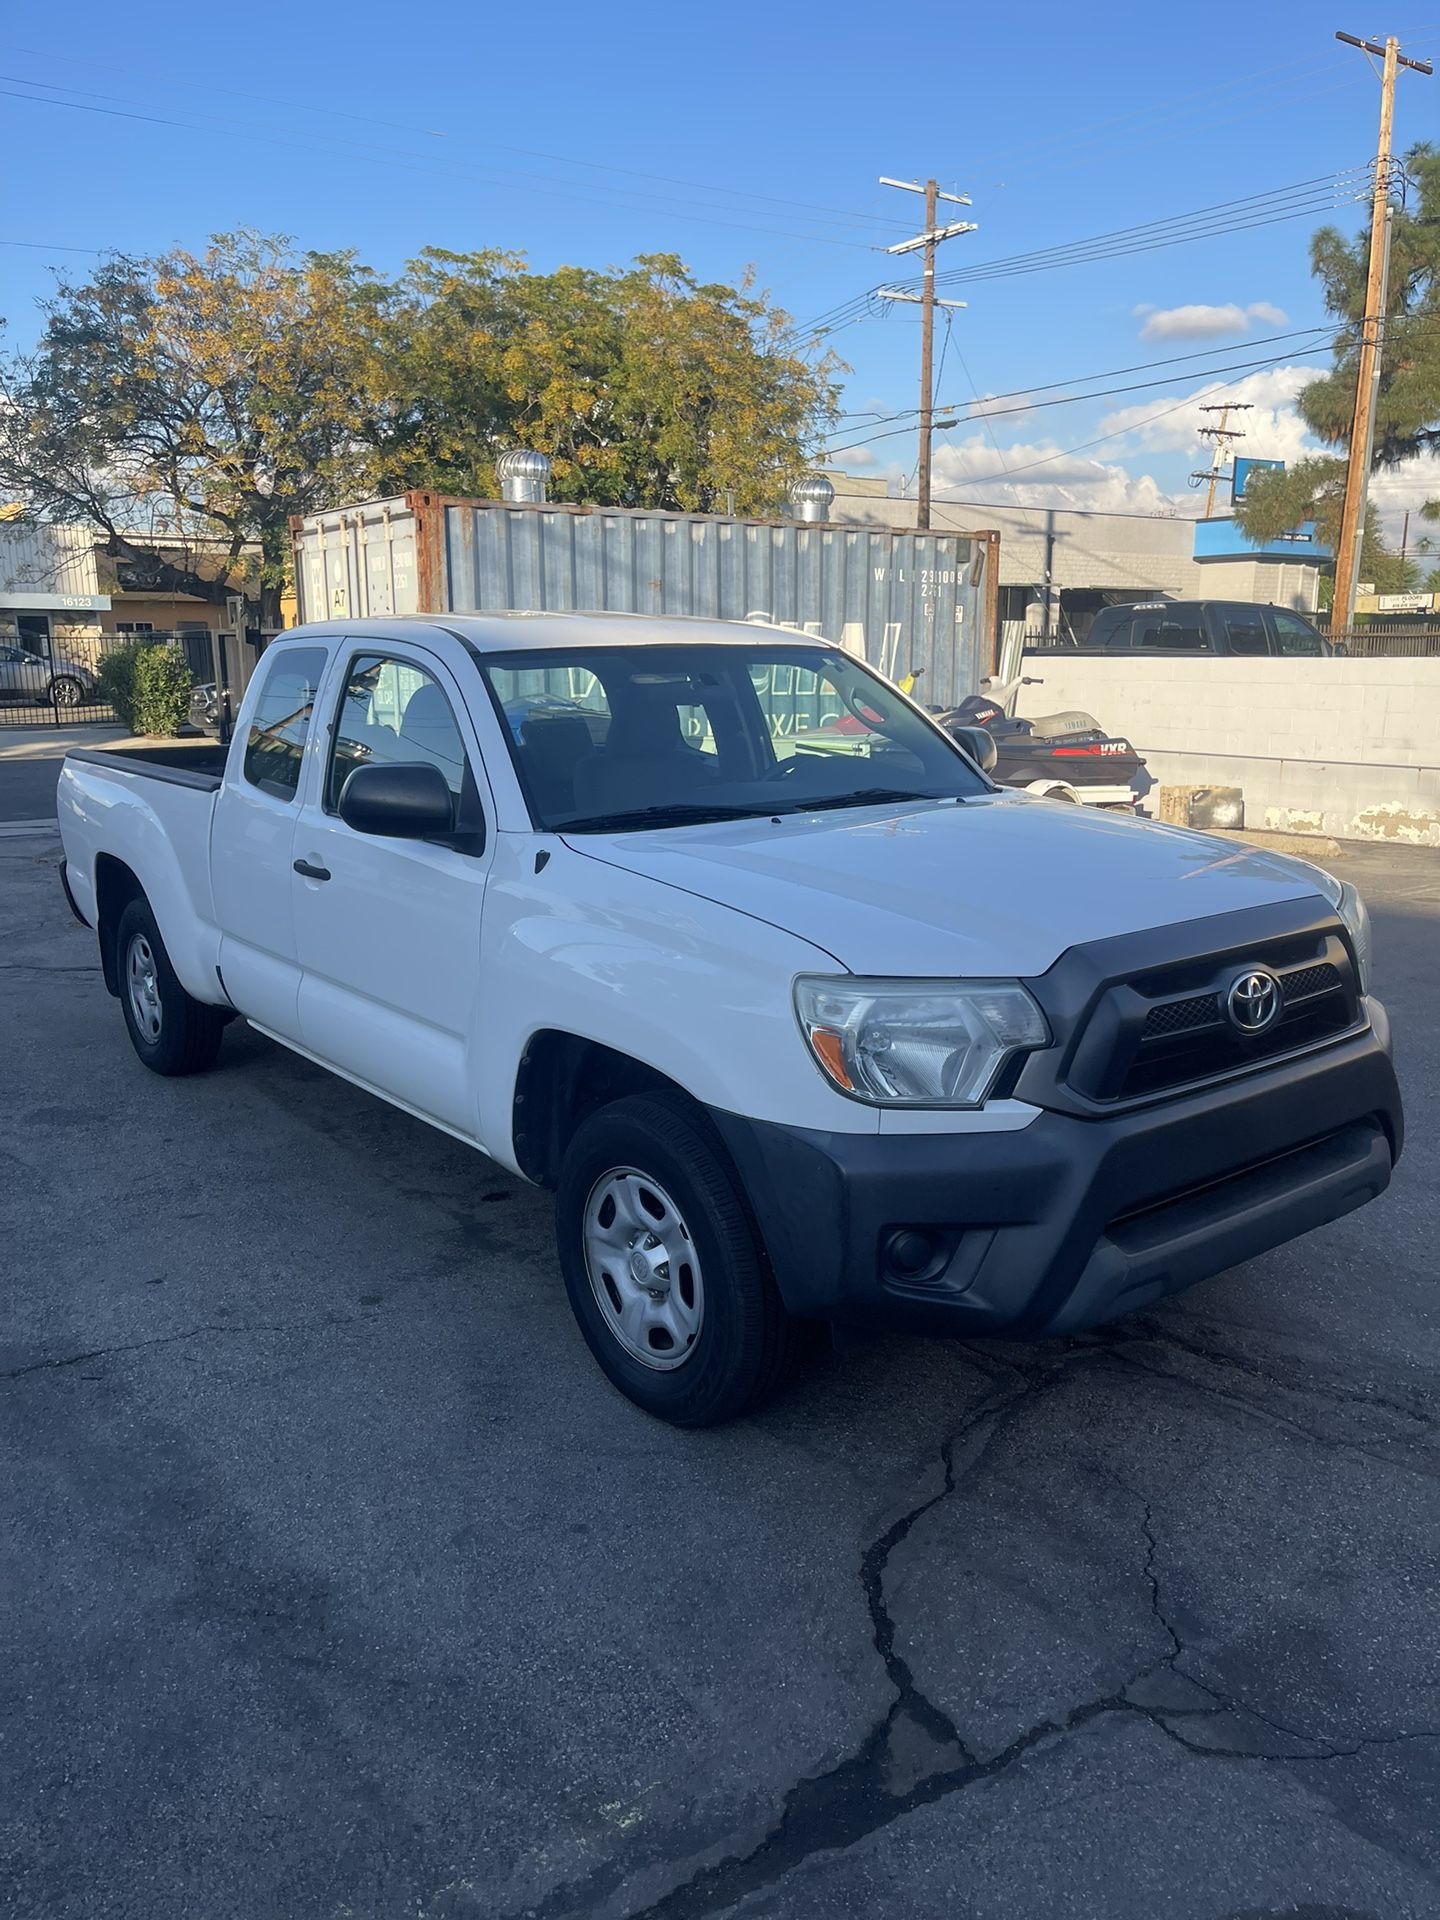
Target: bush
(148,686)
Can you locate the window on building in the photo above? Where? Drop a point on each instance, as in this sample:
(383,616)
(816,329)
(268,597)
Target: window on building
(280,724)
(134,626)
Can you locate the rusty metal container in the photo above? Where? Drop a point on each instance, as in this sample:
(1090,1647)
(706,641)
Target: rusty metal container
(905,602)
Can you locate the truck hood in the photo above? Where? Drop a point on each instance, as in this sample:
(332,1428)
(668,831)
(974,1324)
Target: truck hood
(999,885)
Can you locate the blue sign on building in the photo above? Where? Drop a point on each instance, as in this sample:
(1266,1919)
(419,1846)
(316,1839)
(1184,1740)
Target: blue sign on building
(1243,469)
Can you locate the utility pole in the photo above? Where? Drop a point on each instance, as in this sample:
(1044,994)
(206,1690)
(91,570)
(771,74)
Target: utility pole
(929,240)
(1221,437)
(1367,376)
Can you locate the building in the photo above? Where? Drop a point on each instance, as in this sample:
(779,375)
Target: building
(62,594)
(51,601)
(1059,566)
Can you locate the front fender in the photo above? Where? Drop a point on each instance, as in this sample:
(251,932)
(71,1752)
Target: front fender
(695,990)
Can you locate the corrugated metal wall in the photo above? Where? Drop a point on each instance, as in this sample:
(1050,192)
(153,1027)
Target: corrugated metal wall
(42,557)
(903,601)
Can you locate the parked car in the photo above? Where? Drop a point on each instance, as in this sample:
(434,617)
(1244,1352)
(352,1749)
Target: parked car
(1205,626)
(205,707)
(58,681)
(847,1034)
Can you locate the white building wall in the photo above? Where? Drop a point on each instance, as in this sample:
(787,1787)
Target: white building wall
(1349,748)
(1114,551)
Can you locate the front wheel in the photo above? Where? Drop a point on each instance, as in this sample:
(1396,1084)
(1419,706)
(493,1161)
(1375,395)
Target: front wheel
(663,1265)
(170,1030)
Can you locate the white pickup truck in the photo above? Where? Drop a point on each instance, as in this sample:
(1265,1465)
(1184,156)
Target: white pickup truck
(802,1020)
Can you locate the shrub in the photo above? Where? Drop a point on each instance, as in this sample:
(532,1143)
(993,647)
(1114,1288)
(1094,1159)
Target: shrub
(148,686)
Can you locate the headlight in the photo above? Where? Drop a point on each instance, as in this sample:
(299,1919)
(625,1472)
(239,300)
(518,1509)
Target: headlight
(916,1043)
(1351,909)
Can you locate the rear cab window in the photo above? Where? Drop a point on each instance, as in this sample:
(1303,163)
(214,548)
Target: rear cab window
(280,722)
(1173,630)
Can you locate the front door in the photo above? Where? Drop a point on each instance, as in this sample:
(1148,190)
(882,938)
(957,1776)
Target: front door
(388,931)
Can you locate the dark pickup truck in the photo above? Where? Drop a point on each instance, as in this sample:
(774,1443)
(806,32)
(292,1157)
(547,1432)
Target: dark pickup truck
(1204,626)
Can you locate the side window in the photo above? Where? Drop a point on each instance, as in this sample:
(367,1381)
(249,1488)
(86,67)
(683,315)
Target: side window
(1183,635)
(1245,630)
(1294,635)
(280,724)
(392,713)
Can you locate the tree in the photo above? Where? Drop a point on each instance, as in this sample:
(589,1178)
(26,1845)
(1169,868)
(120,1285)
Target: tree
(645,387)
(195,402)
(1407,414)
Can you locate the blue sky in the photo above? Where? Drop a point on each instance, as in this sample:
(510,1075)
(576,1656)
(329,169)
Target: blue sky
(752,138)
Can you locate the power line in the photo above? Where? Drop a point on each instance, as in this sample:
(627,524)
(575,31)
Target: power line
(813,211)
(509,179)
(1113,373)
(1098,393)
(1274,205)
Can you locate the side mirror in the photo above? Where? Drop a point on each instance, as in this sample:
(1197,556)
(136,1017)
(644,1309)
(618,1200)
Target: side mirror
(979,744)
(407,802)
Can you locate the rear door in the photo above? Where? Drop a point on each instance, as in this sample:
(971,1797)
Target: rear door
(251,879)
(388,930)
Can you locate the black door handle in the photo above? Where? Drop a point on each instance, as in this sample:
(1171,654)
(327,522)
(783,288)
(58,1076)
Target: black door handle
(312,873)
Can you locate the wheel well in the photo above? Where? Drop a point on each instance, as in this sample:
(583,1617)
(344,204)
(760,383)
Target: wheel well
(563,1080)
(115,887)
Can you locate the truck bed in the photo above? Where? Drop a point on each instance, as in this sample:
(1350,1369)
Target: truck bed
(184,763)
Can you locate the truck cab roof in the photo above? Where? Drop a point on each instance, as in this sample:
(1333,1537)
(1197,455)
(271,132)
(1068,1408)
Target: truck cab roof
(526,631)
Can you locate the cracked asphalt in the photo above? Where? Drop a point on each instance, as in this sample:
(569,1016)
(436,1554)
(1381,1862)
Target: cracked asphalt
(337,1584)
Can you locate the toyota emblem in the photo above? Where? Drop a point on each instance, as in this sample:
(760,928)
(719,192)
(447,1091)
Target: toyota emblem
(1253,1002)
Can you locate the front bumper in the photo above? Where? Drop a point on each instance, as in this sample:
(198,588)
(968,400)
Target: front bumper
(1074,1219)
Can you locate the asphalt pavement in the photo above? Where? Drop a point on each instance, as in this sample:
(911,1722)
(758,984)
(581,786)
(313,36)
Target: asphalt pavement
(338,1585)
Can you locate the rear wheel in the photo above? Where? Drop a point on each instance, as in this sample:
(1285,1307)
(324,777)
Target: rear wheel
(66,691)
(170,1030)
(663,1265)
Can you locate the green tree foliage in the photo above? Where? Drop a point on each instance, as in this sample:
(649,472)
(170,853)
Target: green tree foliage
(200,400)
(212,397)
(148,686)
(1407,415)
(645,387)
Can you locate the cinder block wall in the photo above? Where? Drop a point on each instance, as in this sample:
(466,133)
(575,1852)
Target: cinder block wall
(1349,748)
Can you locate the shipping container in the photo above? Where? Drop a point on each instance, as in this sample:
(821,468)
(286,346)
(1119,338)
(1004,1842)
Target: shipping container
(905,602)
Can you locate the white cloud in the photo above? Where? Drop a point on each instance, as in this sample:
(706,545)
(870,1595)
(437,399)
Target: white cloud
(1393,490)
(1201,322)
(1045,475)
(1272,428)
(851,457)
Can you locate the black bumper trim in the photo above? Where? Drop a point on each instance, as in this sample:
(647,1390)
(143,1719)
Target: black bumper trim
(1068,1221)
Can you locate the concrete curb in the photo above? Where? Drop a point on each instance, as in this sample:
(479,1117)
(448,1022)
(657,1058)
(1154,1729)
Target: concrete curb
(1305,846)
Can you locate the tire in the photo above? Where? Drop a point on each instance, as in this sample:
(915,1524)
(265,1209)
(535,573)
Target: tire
(657,1162)
(66,692)
(169,1030)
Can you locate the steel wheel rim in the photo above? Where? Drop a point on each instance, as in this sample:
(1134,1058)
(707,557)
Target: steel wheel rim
(643,1268)
(143,987)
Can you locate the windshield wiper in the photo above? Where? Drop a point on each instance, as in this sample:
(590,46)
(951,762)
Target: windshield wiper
(862,797)
(660,816)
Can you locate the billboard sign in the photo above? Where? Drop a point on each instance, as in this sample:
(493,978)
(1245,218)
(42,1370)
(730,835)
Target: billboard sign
(1240,478)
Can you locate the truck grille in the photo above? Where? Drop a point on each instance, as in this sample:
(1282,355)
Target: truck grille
(1169,1029)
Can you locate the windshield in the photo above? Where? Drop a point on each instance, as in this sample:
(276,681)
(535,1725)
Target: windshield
(608,738)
